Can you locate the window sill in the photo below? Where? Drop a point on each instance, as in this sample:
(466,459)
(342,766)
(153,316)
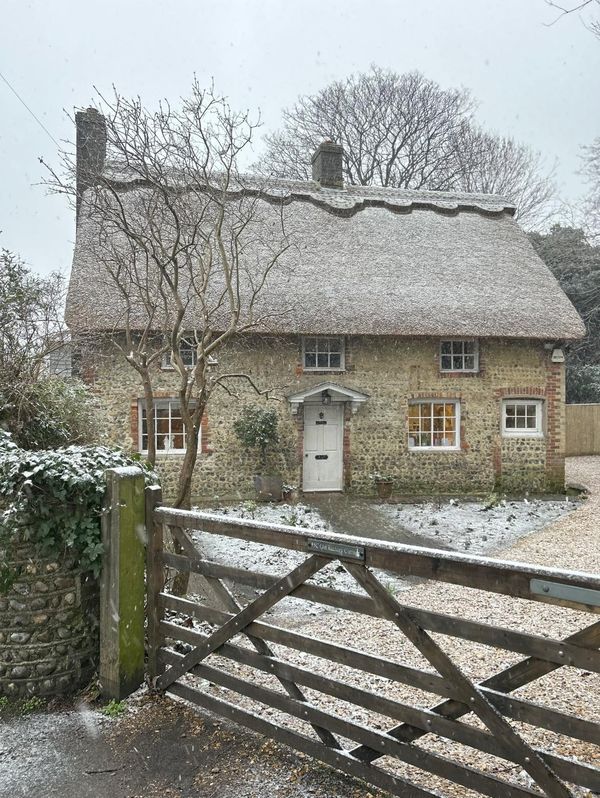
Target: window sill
(461,373)
(434,449)
(523,435)
(323,371)
(172,453)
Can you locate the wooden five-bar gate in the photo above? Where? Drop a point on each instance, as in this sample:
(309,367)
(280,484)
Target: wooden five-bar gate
(368,751)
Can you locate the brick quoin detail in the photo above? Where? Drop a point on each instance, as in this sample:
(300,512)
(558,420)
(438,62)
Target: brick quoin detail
(205,447)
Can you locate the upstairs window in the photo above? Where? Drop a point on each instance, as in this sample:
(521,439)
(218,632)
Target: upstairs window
(187,351)
(323,353)
(522,418)
(459,355)
(434,425)
(169,431)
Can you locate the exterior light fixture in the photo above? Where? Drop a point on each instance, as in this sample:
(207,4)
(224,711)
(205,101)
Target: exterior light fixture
(325,398)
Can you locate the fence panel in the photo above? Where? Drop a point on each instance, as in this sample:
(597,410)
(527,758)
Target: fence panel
(583,429)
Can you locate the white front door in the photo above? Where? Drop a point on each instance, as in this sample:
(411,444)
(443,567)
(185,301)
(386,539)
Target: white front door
(323,442)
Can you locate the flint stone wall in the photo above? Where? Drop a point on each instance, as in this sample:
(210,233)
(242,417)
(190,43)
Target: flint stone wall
(48,626)
(392,371)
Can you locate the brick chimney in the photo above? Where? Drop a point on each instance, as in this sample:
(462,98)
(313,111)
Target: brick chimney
(91,149)
(327,165)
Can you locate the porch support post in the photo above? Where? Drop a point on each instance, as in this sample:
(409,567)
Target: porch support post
(122,584)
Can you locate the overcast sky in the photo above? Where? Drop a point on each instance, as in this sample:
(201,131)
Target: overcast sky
(537,83)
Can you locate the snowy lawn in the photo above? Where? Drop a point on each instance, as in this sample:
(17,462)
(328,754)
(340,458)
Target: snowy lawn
(472,527)
(477,527)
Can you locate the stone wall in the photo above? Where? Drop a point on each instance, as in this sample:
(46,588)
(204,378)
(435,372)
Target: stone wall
(48,626)
(392,371)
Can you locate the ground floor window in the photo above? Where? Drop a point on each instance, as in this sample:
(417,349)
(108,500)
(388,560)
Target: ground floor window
(522,417)
(169,432)
(434,424)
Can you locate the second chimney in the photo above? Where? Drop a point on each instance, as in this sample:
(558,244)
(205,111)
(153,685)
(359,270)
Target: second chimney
(91,149)
(327,165)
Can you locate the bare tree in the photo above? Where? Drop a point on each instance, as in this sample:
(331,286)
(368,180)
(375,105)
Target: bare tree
(575,8)
(591,172)
(404,131)
(500,165)
(186,246)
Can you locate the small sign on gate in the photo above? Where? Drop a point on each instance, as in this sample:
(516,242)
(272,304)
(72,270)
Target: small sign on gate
(341,550)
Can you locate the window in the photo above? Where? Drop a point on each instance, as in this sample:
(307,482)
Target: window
(187,351)
(458,355)
(169,432)
(433,425)
(522,417)
(323,353)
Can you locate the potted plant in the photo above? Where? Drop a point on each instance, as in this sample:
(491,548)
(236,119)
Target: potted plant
(257,429)
(384,484)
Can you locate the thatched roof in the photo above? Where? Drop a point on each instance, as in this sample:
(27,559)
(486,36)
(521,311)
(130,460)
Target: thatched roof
(379,261)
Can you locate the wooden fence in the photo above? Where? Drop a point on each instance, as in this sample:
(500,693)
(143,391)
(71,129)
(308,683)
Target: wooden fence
(583,429)
(256,646)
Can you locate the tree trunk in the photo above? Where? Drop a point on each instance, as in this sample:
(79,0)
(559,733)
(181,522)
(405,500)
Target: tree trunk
(183,501)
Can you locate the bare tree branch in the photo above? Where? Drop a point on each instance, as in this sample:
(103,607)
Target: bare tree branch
(175,223)
(404,131)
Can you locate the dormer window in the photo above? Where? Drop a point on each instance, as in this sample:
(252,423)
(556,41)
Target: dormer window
(459,354)
(323,353)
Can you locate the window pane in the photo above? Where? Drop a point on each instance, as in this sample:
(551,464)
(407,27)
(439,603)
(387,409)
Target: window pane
(413,425)
(425,440)
(450,410)
(469,347)
(426,424)
(520,410)
(438,410)
(335,361)
(322,360)
(531,422)
(450,425)
(438,424)
(520,422)
(531,410)
(510,422)
(413,411)
(438,438)
(457,362)
(310,360)
(510,410)
(446,362)
(310,344)
(469,362)
(446,348)
(177,441)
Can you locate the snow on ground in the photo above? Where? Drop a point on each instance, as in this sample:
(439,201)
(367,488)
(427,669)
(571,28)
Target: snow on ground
(470,527)
(477,527)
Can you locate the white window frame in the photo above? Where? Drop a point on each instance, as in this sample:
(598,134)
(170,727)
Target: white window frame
(461,341)
(186,344)
(510,432)
(161,403)
(318,338)
(438,400)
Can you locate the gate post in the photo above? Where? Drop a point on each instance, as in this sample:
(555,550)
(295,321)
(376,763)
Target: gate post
(122,584)
(155,580)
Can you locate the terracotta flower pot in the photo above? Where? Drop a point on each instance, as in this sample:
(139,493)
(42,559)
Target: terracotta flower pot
(268,488)
(384,489)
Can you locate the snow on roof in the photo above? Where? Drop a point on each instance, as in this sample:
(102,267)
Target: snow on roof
(376,261)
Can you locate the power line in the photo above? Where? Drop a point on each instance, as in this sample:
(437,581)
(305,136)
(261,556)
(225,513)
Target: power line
(24,104)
